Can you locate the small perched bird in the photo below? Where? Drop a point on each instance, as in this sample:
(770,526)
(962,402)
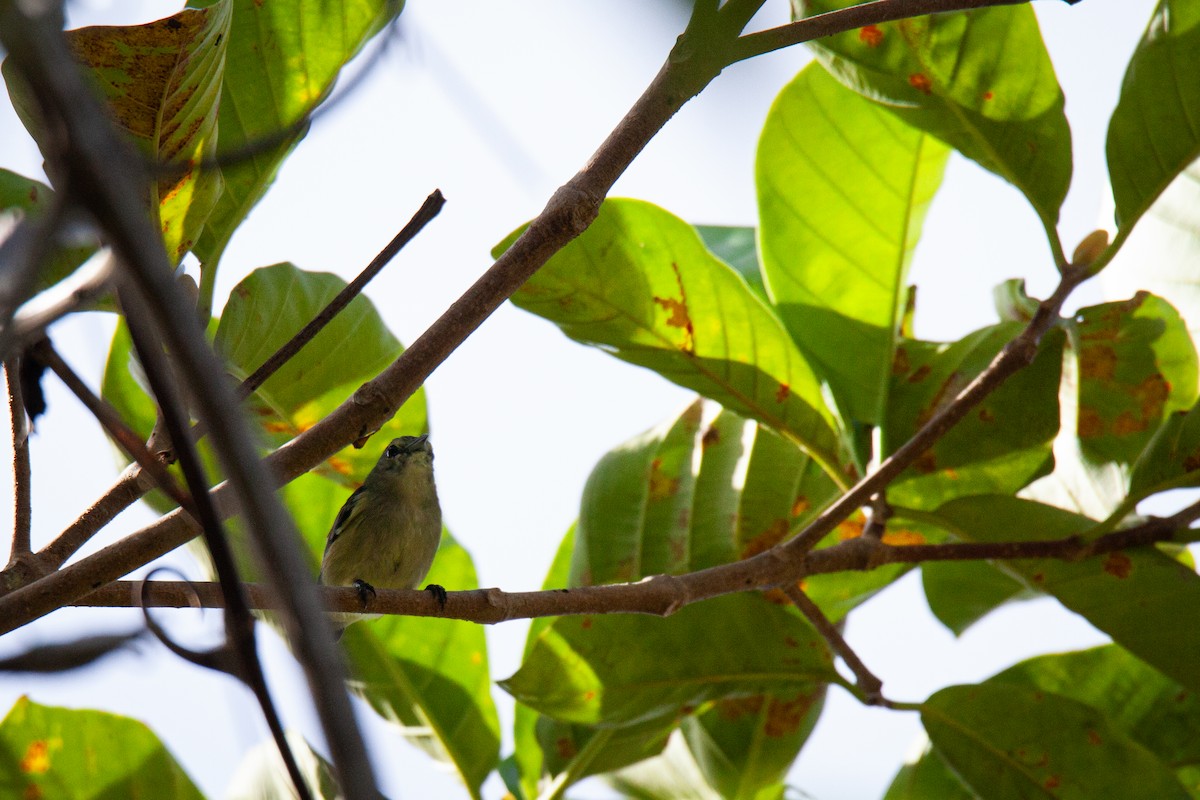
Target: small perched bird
(387,532)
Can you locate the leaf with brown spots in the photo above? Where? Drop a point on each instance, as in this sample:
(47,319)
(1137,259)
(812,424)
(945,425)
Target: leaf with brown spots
(626,669)
(747,744)
(1136,365)
(1008,741)
(643,286)
(1139,700)
(1004,445)
(61,752)
(161,82)
(981,81)
(1136,596)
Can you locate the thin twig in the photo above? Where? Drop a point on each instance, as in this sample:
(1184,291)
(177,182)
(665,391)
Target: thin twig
(22,476)
(846,19)
(428,210)
(107,179)
(111,421)
(869,686)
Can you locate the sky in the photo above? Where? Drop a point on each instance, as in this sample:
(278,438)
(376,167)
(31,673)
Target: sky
(497,104)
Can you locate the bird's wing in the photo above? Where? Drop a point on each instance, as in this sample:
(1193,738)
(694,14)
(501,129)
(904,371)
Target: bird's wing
(350,509)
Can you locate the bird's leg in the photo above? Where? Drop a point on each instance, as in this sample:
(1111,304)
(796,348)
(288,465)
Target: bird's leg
(365,591)
(439,593)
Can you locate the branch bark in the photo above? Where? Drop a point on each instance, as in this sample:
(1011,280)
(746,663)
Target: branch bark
(660,595)
(22,477)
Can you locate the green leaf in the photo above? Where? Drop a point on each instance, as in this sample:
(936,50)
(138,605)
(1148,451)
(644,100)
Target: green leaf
(430,677)
(61,752)
(1135,596)
(962,593)
(635,516)
(1153,135)
(735,246)
(1137,699)
(703,489)
(640,284)
(1137,364)
(979,80)
(548,747)
(621,669)
(745,746)
(270,306)
(161,82)
(581,751)
(262,775)
(843,187)
(1009,741)
(281,62)
(26,198)
(1001,446)
(927,778)
(528,755)
(1171,459)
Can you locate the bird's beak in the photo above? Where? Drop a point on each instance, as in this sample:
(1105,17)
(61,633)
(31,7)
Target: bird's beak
(418,443)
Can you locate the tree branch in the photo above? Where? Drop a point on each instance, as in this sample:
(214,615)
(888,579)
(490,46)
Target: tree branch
(569,211)
(425,214)
(660,595)
(847,19)
(22,477)
(870,687)
(1018,353)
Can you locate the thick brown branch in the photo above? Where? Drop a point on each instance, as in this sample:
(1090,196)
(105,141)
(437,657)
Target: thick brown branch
(131,485)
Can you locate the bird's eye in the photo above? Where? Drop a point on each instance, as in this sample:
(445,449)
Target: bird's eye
(391,452)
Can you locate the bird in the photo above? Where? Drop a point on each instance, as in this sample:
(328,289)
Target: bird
(387,532)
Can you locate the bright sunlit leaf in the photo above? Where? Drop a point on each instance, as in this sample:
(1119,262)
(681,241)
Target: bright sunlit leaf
(843,187)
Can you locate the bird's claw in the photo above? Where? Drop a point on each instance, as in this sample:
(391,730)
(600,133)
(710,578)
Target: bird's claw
(439,594)
(365,591)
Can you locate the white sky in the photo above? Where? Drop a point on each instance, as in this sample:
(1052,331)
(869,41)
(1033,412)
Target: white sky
(497,104)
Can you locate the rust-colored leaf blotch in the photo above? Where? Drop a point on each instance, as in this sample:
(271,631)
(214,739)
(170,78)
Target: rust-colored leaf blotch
(1118,565)
(870,35)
